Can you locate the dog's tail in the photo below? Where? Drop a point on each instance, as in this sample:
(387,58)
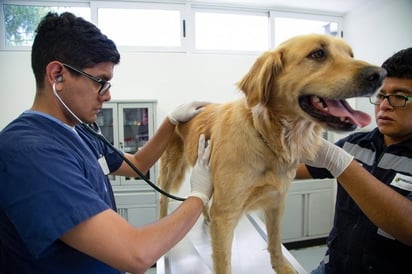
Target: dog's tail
(172,169)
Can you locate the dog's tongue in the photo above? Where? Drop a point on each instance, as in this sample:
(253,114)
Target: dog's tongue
(342,109)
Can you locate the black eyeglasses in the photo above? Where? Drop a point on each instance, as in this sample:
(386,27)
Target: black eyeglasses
(104,85)
(395,100)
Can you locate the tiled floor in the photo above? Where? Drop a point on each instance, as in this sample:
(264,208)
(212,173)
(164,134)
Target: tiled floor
(309,257)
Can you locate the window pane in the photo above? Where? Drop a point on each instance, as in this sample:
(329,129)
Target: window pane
(222,31)
(286,28)
(21,21)
(141,27)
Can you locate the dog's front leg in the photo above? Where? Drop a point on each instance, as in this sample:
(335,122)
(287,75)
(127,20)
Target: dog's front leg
(273,217)
(222,228)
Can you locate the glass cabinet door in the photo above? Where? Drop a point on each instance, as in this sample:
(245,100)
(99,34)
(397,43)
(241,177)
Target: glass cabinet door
(135,130)
(128,126)
(107,121)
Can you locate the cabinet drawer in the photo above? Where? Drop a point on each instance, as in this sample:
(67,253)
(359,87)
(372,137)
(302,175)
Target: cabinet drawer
(138,216)
(135,198)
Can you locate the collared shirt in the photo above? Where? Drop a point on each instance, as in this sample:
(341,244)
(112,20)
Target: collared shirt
(355,244)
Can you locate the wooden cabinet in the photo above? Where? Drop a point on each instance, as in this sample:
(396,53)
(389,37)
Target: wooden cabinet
(128,125)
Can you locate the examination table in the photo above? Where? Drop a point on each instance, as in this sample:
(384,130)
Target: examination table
(192,255)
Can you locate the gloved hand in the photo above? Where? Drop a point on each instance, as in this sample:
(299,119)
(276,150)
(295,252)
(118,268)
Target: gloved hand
(331,157)
(185,112)
(200,179)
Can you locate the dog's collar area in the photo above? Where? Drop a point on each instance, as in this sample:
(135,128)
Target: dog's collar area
(266,142)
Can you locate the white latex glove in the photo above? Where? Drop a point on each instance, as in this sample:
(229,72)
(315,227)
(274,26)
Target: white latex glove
(331,157)
(185,112)
(200,179)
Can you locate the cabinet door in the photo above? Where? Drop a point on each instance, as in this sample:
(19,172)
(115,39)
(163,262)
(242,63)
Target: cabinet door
(138,207)
(308,210)
(292,225)
(107,121)
(320,212)
(136,123)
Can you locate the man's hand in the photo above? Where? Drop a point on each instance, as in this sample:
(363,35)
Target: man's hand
(200,179)
(185,112)
(331,157)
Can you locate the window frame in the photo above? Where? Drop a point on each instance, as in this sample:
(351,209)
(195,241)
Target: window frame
(226,10)
(304,16)
(95,5)
(187,11)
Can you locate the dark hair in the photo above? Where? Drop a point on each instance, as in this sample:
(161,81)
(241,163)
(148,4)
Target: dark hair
(69,39)
(399,65)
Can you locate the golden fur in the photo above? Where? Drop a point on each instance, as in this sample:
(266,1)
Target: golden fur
(258,140)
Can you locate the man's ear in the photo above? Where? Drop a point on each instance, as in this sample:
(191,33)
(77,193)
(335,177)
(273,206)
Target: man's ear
(54,72)
(260,81)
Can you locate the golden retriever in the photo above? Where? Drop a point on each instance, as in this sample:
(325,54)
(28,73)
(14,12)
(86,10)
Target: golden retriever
(291,94)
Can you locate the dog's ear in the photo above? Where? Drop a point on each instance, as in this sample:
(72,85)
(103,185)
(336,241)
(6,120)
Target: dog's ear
(258,83)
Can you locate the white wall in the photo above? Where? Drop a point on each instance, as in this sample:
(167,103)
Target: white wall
(176,78)
(16,83)
(377,30)
(171,78)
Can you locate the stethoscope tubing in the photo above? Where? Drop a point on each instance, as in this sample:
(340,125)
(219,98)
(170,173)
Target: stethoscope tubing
(95,130)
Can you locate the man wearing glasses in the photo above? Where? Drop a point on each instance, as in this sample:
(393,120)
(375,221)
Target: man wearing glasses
(372,230)
(57,211)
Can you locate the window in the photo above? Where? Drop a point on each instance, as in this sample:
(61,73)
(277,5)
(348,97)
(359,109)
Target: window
(287,27)
(141,27)
(20,21)
(155,26)
(231,31)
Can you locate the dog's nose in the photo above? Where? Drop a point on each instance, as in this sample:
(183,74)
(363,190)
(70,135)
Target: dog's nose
(373,76)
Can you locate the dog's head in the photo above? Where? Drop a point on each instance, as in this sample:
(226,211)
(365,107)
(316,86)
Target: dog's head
(316,73)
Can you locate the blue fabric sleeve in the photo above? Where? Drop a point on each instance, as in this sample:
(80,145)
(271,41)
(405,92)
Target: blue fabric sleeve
(318,173)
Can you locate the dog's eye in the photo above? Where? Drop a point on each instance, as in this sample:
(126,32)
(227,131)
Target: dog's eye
(317,54)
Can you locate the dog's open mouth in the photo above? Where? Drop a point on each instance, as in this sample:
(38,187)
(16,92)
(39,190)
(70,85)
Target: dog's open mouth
(337,114)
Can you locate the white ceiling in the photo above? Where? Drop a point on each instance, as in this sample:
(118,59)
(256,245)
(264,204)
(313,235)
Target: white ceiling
(334,6)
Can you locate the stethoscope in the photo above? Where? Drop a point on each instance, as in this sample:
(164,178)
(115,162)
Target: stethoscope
(94,129)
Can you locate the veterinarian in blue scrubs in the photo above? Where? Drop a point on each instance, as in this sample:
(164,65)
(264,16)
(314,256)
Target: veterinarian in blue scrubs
(57,211)
(372,230)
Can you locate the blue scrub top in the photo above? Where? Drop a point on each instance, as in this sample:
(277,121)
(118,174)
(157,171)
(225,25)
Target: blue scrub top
(50,181)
